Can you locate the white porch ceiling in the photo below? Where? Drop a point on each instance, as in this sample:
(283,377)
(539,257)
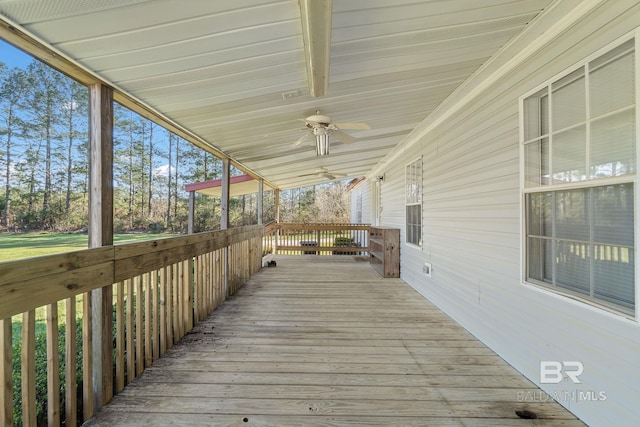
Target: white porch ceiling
(233,72)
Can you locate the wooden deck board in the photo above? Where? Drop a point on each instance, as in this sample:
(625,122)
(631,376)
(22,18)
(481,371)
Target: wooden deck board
(327,341)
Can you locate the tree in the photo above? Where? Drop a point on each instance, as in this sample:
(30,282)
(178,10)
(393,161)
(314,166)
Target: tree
(74,113)
(125,129)
(323,203)
(150,170)
(13,88)
(45,102)
(176,169)
(333,203)
(172,138)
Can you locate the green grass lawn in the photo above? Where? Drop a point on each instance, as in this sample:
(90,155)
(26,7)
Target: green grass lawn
(26,245)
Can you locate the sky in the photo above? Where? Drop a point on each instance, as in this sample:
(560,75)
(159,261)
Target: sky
(12,56)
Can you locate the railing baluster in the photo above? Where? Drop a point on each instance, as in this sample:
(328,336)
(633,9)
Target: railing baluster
(130,332)
(212,282)
(139,312)
(53,366)
(148,321)
(202,286)
(29,415)
(197,293)
(120,335)
(170,318)
(179,299)
(71,380)
(155,328)
(188,294)
(6,373)
(177,296)
(87,357)
(217,279)
(163,310)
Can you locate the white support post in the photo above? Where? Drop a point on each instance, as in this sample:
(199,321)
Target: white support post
(192,203)
(260,194)
(224,217)
(277,219)
(224,198)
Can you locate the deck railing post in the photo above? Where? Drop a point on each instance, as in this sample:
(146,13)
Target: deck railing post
(101,234)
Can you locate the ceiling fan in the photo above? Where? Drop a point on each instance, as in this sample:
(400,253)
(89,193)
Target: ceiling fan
(322,171)
(322,127)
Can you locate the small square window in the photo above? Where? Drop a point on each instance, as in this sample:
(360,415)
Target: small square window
(413,183)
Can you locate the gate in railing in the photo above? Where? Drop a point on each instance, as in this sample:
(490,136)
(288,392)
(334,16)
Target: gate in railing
(160,289)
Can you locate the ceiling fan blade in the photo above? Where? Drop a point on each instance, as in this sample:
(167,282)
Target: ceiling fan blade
(303,138)
(343,137)
(355,126)
(317,172)
(329,176)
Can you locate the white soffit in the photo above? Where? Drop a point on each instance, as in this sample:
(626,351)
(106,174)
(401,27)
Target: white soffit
(234,72)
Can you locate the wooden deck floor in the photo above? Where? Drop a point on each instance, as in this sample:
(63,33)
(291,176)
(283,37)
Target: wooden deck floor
(326,341)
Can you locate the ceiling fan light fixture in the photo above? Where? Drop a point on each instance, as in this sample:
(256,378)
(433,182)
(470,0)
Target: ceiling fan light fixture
(322,141)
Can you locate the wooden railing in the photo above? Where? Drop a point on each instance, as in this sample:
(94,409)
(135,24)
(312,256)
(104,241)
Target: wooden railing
(157,291)
(320,239)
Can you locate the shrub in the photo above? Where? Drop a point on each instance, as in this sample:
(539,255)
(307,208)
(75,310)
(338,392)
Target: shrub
(343,241)
(41,375)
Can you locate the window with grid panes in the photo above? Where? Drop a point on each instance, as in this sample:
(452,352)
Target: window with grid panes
(579,148)
(413,183)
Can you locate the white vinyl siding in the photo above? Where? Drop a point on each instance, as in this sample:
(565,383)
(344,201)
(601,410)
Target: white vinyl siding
(579,172)
(361,203)
(472,220)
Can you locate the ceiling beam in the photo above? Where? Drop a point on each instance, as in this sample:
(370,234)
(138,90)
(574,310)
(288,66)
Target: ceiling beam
(316,33)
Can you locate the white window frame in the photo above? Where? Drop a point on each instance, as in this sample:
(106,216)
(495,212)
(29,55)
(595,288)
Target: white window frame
(413,197)
(587,183)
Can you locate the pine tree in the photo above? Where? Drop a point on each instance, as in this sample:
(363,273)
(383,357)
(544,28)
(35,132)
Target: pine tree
(45,105)
(13,88)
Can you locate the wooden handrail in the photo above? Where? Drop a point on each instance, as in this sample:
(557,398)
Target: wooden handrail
(34,282)
(161,288)
(319,226)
